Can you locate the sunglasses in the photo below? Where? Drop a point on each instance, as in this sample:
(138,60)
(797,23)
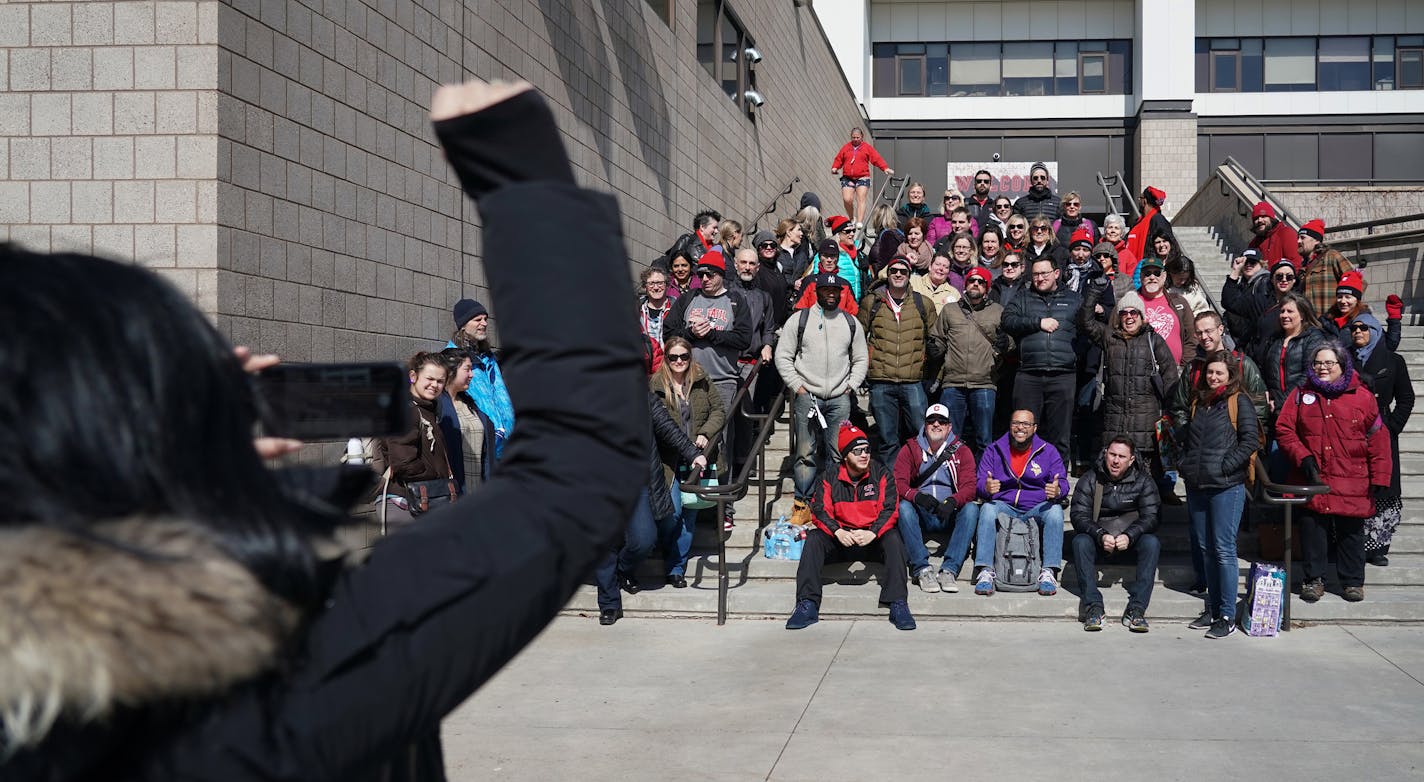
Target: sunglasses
(859,450)
(1359,327)
(954,198)
(937,421)
(1013,266)
(767,245)
(1018,228)
(975,281)
(1071,203)
(983,181)
(707,273)
(1130,313)
(1004,206)
(1038,178)
(846,229)
(1152,272)
(1101,255)
(1284,278)
(899,271)
(679,356)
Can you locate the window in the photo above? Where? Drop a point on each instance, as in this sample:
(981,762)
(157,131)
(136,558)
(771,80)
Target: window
(988,69)
(1290,64)
(1327,64)
(663,8)
(721,49)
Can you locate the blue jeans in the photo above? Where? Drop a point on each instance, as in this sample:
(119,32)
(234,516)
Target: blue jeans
(978,403)
(965,521)
(1087,553)
(1213,516)
(1049,516)
(638,541)
(887,402)
(675,535)
(808,463)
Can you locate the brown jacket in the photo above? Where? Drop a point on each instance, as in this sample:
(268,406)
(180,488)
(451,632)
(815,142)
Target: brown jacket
(419,455)
(897,345)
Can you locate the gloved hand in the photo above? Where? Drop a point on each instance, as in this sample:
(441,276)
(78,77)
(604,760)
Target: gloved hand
(1394,307)
(1380,492)
(512,140)
(1311,468)
(946,510)
(926,502)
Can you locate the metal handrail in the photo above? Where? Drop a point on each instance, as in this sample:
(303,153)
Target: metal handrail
(1119,181)
(1261,193)
(1370,225)
(1287,496)
(771,207)
(737,487)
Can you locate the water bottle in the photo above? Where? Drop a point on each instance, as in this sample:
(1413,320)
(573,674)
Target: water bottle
(783,546)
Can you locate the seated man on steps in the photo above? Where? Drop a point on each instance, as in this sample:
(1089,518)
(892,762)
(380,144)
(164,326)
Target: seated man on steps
(855,515)
(1114,511)
(1021,475)
(934,474)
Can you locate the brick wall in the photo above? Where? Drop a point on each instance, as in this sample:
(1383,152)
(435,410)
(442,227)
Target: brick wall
(273,157)
(1166,151)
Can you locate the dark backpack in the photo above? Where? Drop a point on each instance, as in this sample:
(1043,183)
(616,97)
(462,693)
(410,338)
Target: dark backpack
(801,328)
(1018,554)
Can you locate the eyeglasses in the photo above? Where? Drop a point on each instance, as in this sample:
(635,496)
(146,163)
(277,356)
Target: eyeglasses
(705,273)
(1359,327)
(845,229)
(679,356)
(1038,228)
(1043,275)
(897,271)
(767,246)
(1004,205)
(1018,228)
(954,198)
(1152,272)
(1038,178)
(937,421)
(859,450)
(1324,364)
(975,281)
(651,284)
(1014,265)
(1284,278)
(1130,313)
(1021,425)
(983,181)
(1101,255)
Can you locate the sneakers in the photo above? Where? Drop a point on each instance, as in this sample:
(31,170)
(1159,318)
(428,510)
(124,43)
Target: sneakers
(1312,591)
(1093,622)
(728,519)
(927,581)
(948,582)
(984,585)
(1047,583)
(800,513)
(806,614)
(900,616)
(1353,594)
(1135,620)
(1221,628)
(1202,622)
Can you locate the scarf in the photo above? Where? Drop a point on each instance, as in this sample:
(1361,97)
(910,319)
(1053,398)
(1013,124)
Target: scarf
(1376,333)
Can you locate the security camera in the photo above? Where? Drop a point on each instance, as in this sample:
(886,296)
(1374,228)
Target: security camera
(755,98)
(996,157)
(753,56)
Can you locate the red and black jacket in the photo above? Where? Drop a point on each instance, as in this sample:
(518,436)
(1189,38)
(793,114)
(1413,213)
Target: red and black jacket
(869,503)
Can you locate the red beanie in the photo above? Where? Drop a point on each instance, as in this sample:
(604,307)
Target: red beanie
(1263,209)
(1351,282)
(836,222)
(1082,236)
(1155,196)
(713,259)
(1315,228)
(849,437)
(979,273)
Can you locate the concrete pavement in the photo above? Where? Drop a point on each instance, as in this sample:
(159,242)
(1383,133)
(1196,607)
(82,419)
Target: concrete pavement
(652,699)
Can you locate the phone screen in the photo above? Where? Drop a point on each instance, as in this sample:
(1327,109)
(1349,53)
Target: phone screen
(334,401)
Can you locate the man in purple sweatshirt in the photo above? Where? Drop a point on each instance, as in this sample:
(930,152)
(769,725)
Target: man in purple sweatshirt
(1022,475)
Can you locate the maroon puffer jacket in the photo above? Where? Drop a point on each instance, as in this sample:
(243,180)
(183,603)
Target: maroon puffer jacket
(1344,433)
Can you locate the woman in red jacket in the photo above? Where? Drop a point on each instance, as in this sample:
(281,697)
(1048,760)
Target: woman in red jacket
(852,165)
(1330,428)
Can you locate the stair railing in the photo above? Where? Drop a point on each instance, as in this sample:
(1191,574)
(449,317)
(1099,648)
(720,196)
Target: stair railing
(1117,196)
(1286,496)
(771,207)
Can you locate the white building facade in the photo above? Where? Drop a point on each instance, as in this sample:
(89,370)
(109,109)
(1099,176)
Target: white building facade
(1160,90)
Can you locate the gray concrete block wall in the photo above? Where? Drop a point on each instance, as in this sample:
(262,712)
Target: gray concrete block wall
(274,157)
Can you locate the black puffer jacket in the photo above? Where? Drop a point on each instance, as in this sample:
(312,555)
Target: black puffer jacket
(1386,374)
(665,434)
(1132,399)
(1284,369)
(1035,204)
(1129,504)
(1215,453)
(1041,351)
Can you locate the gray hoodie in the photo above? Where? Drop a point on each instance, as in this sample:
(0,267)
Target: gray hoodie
(833,357)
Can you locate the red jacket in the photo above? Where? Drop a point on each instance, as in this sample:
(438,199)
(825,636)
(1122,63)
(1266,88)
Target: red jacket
(869,503)
(910,462)
(1347,439)
(854,162)
(808,298)
(1278,243)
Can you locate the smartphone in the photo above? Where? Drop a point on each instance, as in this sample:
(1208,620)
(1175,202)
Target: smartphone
(333,401)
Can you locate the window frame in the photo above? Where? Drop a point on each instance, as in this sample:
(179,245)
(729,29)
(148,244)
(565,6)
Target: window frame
(723,15)
(1103,57)
(1399,67)
(1212,70)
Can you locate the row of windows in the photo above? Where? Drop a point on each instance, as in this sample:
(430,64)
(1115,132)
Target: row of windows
(722,44)
(975,69)
(1310,64)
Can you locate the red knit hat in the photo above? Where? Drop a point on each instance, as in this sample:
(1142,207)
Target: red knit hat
(1263,209)
(1081,236)
(979,273)
(836,222)
(713,259)
(850,437)
(1351,282)
(1315,228)
(1155,196)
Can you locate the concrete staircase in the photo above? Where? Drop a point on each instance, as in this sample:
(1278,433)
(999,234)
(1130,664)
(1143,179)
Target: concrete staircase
(763,588)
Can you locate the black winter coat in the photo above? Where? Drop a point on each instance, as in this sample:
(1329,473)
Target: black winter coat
(1041,351)
(1133,396)
(1053,252)
(1005,291)
(666,434)
(1387,376)
(355,689)
(1242,303)
(1215,454)
(1034,204)
(1130,504)
(1285,370)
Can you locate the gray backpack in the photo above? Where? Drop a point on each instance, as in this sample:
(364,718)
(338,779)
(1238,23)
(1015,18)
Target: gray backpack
(1017,554)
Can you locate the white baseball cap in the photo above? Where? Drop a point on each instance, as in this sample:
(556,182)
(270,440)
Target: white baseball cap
(939,410)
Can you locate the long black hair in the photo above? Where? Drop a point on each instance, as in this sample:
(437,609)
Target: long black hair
(122,401)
